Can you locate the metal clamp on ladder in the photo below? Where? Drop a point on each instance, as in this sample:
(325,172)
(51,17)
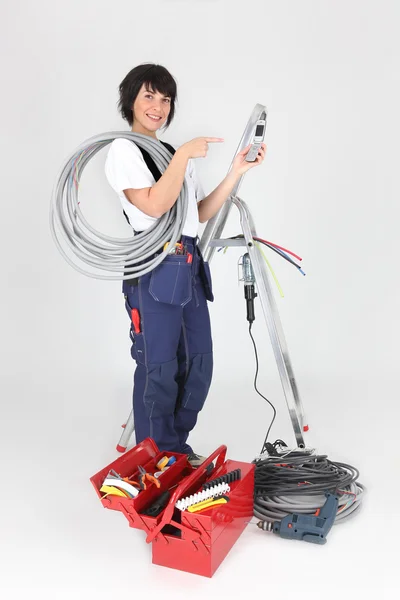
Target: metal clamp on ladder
(211,239)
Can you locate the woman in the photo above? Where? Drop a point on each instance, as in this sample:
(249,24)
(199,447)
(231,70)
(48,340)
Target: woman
(171,335)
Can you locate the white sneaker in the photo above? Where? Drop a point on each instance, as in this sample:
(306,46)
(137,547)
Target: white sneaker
(196,460)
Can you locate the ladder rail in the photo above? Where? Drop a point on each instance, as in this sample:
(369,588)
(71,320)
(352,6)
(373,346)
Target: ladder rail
(271,315)
(216,225)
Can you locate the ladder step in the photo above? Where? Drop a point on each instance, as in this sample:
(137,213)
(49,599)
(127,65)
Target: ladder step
(216,243)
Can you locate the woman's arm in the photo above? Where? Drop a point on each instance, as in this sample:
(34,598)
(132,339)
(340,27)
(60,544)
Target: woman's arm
(158,199)
(155,201)
(210,205)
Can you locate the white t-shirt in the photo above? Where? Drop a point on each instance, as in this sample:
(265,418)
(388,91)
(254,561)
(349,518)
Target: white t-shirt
(125,168)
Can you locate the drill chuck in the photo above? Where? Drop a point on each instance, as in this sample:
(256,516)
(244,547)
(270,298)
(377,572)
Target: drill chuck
(265,525)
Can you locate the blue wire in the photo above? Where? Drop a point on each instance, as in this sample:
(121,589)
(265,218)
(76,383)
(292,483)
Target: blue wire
(281,252)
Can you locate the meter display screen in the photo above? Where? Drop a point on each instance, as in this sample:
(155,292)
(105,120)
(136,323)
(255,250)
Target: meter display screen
(259,130)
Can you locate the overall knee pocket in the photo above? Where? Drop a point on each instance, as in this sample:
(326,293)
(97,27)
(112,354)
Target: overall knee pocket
(161,389)
(198,382)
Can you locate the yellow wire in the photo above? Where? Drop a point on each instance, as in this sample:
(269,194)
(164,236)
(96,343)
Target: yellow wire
(271,269)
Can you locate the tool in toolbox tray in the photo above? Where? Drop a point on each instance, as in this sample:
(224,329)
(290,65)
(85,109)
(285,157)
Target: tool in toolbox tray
(211,491)
(114,480)
(110,490)
(207,504)
(166,461)
(203,495)
(158,506)
(227,478)
(159,473)
(150,478)
(162,463)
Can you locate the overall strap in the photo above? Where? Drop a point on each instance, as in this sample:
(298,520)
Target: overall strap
(151,165)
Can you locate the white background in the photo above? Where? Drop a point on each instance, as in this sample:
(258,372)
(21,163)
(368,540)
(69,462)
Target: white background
(328,71)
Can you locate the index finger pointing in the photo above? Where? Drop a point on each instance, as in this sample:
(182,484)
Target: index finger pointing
(214,139)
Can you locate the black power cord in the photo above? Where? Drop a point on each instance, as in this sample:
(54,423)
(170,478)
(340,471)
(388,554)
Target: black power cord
(257,390)
(250,295)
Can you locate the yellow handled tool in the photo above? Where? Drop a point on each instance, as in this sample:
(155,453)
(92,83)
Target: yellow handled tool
(209,503)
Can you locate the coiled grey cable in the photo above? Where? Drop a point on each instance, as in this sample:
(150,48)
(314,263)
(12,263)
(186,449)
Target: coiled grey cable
(275,508)
(133,256)
(295,482)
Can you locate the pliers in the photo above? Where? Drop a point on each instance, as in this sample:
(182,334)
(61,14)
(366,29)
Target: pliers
(150,478)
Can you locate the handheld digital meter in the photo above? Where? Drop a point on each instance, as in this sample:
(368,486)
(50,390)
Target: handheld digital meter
(258,138)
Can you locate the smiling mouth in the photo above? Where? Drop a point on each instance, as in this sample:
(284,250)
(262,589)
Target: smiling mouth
(154,118)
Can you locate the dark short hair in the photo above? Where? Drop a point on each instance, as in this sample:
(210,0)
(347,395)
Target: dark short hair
(155,77)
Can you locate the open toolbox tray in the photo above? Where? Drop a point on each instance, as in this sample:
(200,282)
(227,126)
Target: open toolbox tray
(146,454)
(194,542)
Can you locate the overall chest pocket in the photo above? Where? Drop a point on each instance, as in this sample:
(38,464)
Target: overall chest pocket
(171,281)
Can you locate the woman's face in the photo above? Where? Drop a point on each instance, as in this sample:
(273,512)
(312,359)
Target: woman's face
(150,111)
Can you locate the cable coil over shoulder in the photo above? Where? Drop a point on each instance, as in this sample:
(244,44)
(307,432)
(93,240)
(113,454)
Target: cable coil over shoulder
(133,256)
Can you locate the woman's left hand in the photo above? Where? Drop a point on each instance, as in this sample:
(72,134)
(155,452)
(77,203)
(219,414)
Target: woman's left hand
(240,166)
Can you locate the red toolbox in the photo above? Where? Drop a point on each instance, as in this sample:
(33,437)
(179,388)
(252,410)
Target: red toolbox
(196,542)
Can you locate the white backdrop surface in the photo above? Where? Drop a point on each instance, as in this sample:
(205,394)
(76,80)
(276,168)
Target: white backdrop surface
(329,74)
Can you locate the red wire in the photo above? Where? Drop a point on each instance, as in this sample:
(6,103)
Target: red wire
(74,168)
(348,493)
(280,247)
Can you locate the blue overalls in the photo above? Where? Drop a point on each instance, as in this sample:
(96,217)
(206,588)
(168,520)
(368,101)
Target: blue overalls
(172,347)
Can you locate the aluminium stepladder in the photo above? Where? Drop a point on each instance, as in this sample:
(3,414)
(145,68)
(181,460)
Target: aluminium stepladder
(210,240)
